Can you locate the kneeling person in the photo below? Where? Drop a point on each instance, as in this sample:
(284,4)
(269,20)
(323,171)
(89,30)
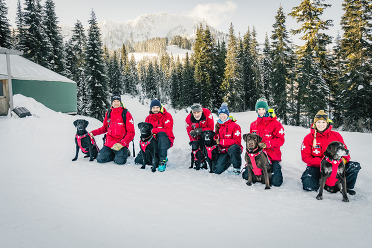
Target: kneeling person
(119,128)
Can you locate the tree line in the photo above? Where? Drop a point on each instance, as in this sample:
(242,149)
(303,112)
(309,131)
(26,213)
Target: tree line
(296,80)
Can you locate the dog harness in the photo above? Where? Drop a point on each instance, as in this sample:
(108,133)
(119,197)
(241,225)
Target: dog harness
(252,156)
(331,180)
(195,152)
(145,144)
(78,139)
(210,150)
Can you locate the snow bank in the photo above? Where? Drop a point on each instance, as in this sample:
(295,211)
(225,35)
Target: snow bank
(49,201)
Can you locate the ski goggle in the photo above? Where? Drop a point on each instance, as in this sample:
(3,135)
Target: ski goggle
(322,116)
(196,107)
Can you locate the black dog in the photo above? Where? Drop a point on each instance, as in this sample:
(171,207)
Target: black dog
(84,142)
(257,161)
(333,166)
(210,149)
(148,145)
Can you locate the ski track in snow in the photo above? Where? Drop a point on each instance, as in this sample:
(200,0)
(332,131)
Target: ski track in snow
(46,200)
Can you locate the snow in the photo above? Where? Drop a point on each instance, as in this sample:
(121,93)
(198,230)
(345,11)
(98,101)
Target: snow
(171,50)
(49,201)
(25,69)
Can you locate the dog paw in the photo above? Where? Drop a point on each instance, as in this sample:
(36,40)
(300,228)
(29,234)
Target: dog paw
(191,167)
(153,169)
(319,197)
(90,160)
(249,183)
(345,200)
(267,187)
(143,166)
(74,159)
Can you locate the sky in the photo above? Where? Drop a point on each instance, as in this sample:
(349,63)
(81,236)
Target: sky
(243,14)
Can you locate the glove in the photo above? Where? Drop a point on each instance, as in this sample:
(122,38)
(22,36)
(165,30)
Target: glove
(262,145)
(344,159)
(198,131)
(217,141)
(117,147)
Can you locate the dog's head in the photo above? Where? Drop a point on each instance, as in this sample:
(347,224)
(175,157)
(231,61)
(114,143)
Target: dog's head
(207,137)
(81,124)
(252,141)
(145,129)
(335,150)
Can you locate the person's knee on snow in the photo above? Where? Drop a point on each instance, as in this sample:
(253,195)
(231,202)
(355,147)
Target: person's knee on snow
(105,155)
(121,156)
(351,173)
(310,179)
(277,176)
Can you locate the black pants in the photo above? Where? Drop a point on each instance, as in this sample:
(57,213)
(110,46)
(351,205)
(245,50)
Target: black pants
(163,145)
(277,176)
(310,177)
(232,156)
(106,154)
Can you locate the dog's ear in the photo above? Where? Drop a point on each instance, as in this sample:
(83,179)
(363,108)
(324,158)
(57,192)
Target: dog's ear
(331,149)
(259,139)
(86,123)
(140,125)
(245,136)
(202,135)
(75,122)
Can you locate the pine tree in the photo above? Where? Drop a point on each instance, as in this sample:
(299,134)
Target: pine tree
(217,80)
(56,58)
(34,42)
(281,51)
(20,33)
(150,83)
(188,82)
(356,48)
(5,33)
(95,68)
(266,65)
(115,76)
(230,86)
(312,56)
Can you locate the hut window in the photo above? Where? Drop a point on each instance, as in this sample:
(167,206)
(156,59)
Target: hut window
(1,88)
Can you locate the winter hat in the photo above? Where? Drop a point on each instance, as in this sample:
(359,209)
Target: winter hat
(196,107)
(321,115)
(155,102)
(116,96)
(262,103)
(223,109)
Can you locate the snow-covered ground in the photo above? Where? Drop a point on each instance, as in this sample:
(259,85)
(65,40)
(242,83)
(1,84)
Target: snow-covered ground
(46,200)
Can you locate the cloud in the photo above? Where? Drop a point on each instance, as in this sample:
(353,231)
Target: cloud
(214,13)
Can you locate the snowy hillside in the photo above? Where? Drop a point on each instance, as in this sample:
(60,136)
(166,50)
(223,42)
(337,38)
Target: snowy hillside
(46,200)
(144,27)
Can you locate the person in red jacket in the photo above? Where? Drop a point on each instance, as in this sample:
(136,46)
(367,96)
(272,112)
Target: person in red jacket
(228,137)
(162,122)
(200,119)
(118,133)
(272,133)
(312,153)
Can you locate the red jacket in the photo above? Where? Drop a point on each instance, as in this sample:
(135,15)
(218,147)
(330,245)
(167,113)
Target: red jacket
(117,131)
(162,122)
(205,123)
(313,156)
(229,134)
(272,133)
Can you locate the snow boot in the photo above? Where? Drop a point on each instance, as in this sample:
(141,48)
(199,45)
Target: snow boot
(351,192)
(236,171)
(162,165)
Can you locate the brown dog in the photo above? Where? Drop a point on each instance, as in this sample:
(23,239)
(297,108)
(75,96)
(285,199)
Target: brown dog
(257,161)
(332,166)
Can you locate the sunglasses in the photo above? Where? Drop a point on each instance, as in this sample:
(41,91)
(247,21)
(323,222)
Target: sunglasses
(195,106)
(322,116)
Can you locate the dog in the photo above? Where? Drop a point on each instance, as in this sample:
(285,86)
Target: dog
(332,170)
(257,161)
(84,141)
(148,145)
(210,149)
(197,155)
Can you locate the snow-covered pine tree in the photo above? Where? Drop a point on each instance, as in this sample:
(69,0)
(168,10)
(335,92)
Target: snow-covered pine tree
(57,62)
(313,89)
(266,69)
(5,33)
(95,72)
(34,41)
(231,83)
(19,35)
(217,80)
(281,57)
(188,82)
(176,85)
(357,77)
(150,82)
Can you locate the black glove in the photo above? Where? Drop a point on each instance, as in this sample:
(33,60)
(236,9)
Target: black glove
(196,132)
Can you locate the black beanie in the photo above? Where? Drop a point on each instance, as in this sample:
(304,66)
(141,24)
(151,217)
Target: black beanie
(155,102)
(116,96)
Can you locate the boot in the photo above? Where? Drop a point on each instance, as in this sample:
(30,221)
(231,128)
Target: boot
(162,165)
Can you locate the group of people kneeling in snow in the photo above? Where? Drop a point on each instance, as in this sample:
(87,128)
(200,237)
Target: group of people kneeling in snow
(119,128)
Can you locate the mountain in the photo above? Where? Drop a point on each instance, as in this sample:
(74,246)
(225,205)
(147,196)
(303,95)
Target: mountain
(148,26)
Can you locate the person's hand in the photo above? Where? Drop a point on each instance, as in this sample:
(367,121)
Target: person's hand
(198,131)
(193,133)
(117,147)
(91,134)
(217,141)
(262,145)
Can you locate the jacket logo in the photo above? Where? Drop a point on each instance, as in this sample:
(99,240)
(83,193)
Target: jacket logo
(131,121)
(281,131)
(167,121)
(120,123)
(316,152)
(303,146)
(228,135)
(210,116)
(237,133)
